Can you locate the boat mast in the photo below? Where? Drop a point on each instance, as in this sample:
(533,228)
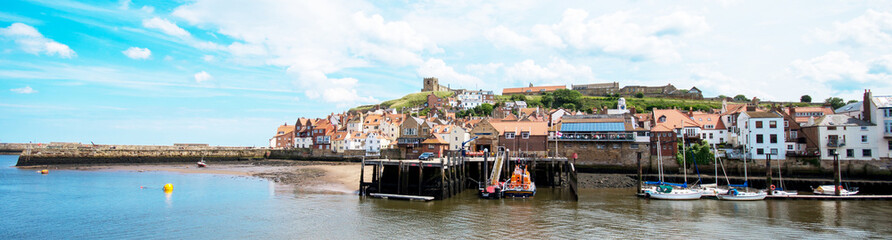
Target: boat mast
(660,159)
(684,156)
(715,164)
(745,180)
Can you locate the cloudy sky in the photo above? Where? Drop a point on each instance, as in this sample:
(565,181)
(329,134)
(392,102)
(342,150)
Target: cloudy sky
(228,72)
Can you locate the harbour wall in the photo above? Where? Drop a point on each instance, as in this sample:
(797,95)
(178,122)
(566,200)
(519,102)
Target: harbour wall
(133,154)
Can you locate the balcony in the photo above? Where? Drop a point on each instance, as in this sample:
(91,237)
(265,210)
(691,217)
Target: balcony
(887,134)
(599,137)
(835,143)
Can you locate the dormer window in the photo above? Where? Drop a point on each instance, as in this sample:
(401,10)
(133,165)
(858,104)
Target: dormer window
(662,119)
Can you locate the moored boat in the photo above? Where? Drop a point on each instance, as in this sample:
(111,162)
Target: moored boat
(734,195)
(668,192)
(829,190)
(520,184)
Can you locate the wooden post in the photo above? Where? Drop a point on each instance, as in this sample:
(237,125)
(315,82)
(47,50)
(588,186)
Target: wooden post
(442,180)
(836,173)
(420,177)
(399,178)
(768,173)
(362,177)
(379,170)
(639,173)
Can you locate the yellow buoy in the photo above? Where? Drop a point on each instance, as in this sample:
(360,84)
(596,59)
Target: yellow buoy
(168,187)
(45,171)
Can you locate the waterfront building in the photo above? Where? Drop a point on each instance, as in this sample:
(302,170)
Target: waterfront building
(712,129)
(762,133)
(413,131)
(302,136)
(339,141)
(522,136)
(390,126)
(487,136)
(452,134)
(433,144)
(851,138)
(322,133)
(682,123)
(604,139)
(668,141)
(355,123)
(284,137)
(372,122)
(878,111)
(374,142)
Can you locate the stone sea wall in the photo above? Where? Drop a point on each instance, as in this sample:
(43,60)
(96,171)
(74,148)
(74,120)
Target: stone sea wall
(133,154)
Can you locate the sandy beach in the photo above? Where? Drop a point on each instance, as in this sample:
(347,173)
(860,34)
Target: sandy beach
(305,176)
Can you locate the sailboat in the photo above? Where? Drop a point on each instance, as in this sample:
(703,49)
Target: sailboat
(781,191)
(713,189)
(831,190)
(736,195)
(670,191)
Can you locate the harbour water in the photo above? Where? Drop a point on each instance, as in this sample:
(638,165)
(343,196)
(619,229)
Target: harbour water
(71,204)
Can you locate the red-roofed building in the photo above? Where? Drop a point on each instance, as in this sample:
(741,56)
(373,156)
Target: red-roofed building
(284,137)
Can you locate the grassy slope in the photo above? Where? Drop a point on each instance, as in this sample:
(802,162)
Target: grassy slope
(410,100)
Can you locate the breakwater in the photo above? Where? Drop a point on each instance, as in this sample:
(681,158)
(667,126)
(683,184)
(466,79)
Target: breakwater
(134,154)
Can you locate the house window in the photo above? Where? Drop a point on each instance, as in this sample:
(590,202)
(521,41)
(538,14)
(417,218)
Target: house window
(831,128)
(600,146)
(863,128)
(864,138)
(430,146)
(760,151)
(615,146)
(772,124)
(888,126)
(887,112)
(831,152)
(710,135)
(786,123)
(525,135)
(758,124)
(509,135)
(850,152)
(721,139)
(865,153)
(773,138)
(789,147)
(774,151)
(410,131)
(890,144)
(633,146)
(759,138)
(794,134)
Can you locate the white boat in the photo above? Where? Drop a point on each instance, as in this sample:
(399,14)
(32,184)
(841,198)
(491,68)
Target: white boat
(737,195)
(712,189)
(829,190)
(734,195)
(669,191)
(779,192)
(666,192)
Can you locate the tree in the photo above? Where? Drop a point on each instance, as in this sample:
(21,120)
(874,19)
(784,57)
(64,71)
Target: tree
(740,98)
(564,96)
(700,152)
(547,100)
(835,102)
(485,109)
(851,101)
(569,106)
(805,99)
(639,95)
(722,96)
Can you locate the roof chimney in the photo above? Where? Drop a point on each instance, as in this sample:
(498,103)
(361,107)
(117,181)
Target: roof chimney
(865,106)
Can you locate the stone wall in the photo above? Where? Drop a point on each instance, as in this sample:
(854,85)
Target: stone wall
(46,156)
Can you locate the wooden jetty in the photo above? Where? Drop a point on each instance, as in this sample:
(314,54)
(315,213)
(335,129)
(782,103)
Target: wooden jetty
(441,178)
(404,197)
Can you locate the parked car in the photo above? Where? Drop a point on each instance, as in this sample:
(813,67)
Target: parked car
(425,156)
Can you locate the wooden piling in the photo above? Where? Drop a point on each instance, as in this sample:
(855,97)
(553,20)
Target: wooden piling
(362,177)
(639,173)
(836,174)
(399,178)
(768,174)
(420,177)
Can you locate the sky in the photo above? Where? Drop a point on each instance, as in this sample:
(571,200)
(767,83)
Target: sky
(228,73)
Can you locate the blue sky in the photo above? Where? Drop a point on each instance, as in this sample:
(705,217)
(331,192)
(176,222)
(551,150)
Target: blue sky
(229,72)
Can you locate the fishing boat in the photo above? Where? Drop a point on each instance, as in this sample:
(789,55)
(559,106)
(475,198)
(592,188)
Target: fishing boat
(520,184)
(202,163)
(829,190)
(734,194)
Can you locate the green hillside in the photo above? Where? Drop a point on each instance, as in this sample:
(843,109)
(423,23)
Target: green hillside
(410,100)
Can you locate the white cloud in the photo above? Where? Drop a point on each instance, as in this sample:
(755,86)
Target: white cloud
(208,58)
(446,74)
(137,53)
(202,76)
(147,9)
(24,90)
(31,41)
(833,66)
(621,34)
(124,4)
(558,71)
(873,29)
(312,39)
(165,26)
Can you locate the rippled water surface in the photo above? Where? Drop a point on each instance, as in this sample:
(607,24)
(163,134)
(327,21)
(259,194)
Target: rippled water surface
(107,204)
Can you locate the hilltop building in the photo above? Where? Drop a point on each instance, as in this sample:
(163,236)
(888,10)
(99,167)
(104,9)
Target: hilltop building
(531,90)
(433,84)
(597,89)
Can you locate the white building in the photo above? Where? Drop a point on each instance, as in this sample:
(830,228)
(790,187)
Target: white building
(712,128)
(878,111)
(851,138)
(762,133)
(452,134)
(375,141)
(468,99)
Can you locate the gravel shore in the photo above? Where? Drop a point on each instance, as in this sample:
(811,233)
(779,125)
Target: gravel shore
(598,180)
